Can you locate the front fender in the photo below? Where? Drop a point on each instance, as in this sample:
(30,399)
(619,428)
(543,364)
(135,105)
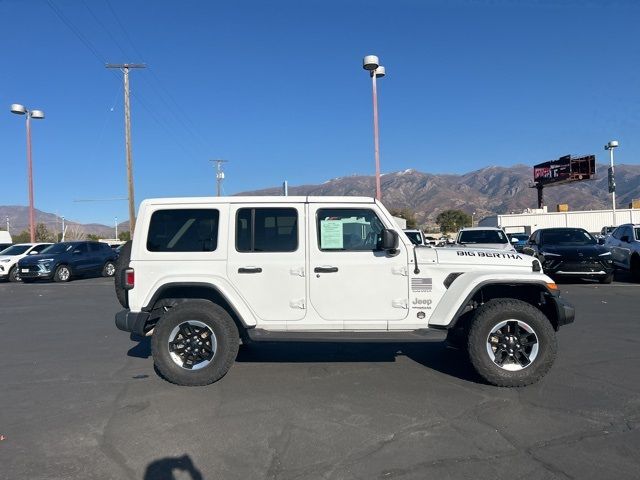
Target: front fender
(466,285)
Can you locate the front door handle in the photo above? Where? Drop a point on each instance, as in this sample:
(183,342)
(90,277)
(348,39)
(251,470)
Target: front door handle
(325,269)
(250,270)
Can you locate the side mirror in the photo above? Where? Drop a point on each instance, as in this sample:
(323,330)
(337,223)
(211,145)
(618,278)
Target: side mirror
(389,240)
(601,241)
(33,252)
(625,239)
(532,242)
(514,240)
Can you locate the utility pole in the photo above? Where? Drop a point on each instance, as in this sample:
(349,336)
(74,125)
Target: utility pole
(7,223)
(116,222)
(219,174)
(124,67)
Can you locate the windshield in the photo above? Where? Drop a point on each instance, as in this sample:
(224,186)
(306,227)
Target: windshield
(15,250)
(58,248)
(483,236)
(414,237)
(568,237)
(522,237)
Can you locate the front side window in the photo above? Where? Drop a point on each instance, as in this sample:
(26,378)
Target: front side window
(80,248)
(267,230)
(636,231)
(348,229)
(183,230)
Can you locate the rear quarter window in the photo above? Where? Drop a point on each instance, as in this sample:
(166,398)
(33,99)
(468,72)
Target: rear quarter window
(183,230)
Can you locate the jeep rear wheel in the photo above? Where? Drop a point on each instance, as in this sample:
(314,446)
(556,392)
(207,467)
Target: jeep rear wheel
(195,343)
(511,343)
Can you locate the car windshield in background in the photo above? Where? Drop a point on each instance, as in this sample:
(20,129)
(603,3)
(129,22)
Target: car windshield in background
(15,250)
(568,238)
(522,237)
(483,236)
(58,248)
(414,237)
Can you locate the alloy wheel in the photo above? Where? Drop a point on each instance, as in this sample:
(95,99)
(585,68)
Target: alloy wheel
(512,345)
(192,345)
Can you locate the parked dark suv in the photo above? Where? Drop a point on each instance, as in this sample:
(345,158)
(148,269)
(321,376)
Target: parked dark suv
(65,260)
(570,253)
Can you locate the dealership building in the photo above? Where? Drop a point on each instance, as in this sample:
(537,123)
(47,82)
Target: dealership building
(534,219)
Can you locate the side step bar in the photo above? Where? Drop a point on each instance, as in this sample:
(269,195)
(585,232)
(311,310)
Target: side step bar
(421,335)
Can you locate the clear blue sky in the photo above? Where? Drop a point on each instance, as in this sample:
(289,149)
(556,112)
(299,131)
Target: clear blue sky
(277,89)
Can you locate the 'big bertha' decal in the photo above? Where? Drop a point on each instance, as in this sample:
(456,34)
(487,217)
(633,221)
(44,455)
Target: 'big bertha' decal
(514,256)
(421,284)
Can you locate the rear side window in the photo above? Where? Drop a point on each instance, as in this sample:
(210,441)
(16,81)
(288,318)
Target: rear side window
(267,230)
(94,247)
(183,230)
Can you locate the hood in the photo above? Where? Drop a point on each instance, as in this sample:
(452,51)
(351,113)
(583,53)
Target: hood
(575,253)
(4,257)
(474,257)
(33,259)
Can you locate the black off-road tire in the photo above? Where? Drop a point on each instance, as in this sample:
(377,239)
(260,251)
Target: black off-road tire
(606,279)
(59,275)
(227,338)
(109,269)
(491,314)
(121,265)
(14,274)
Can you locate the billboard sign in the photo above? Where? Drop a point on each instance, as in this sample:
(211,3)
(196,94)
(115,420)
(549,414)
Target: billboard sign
(565,169)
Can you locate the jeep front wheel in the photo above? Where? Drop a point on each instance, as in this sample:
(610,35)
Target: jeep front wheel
(511,343)
(195,343)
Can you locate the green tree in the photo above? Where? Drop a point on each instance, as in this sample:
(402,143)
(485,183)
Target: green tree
(22,237)
(92,236)
(124,236)
(407,214)
(453,220)
(43,234)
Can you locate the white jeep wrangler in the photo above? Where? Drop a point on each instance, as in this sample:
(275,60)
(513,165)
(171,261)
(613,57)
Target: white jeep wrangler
(204,274)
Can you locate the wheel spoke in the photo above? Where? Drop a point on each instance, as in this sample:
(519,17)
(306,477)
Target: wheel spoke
(528,339)
(500,356)
(513,327)
(522,358)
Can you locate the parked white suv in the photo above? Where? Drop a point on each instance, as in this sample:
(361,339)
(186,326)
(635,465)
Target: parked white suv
(204,273)
(485,237)
(624,245)
(9,258)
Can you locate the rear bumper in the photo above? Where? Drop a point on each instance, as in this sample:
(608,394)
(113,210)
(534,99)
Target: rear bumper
(133,322)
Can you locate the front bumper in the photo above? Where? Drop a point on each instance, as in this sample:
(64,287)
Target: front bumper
(34,274)
(578,268)
(565,312)
(133,322)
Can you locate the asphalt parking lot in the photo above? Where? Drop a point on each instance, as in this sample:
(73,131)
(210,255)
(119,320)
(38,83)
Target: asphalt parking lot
(79,399)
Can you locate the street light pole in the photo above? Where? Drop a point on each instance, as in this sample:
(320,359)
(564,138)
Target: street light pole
(612,179)
(38,115)
(371,63)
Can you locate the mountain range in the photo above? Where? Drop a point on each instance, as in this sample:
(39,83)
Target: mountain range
(486,191)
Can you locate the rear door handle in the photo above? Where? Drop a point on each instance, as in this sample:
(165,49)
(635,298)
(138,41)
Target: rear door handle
(325,269)
(250,270)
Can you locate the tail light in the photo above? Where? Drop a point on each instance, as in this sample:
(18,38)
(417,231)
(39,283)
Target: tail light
(129,278)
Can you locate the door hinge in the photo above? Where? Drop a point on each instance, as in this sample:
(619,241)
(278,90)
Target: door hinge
(400,303)
(299,271)
(300,303)
(399,271)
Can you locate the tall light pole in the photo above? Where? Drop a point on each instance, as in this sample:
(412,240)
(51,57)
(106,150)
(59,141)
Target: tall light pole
(473,214)
(372,65)
(36,115)
(613,144)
